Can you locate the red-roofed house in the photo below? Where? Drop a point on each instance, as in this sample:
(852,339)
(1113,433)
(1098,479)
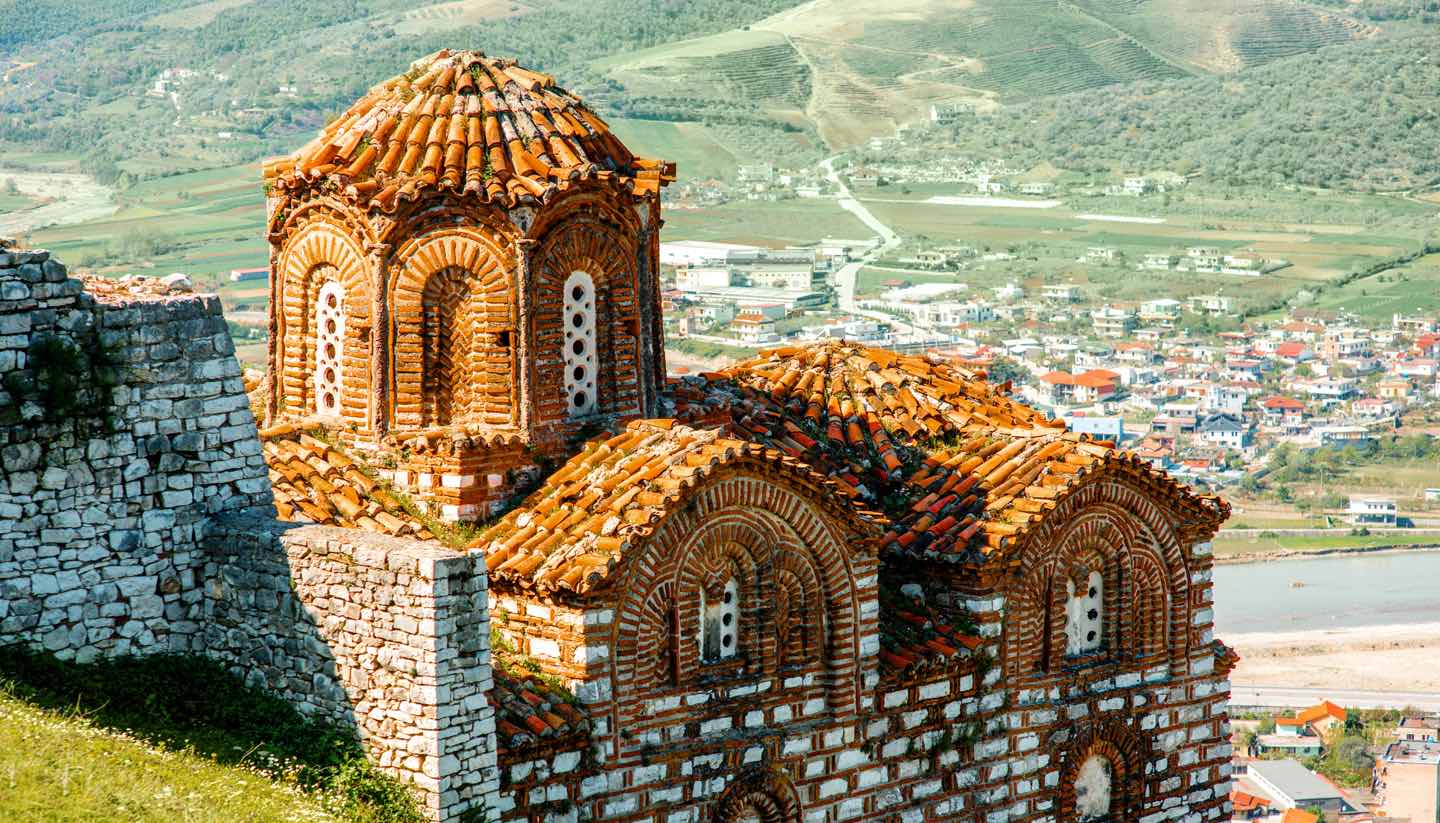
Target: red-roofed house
(1294,352)
(1095,385)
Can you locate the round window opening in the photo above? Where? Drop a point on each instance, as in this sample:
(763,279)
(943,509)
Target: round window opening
(330,351)
(330,326)
(328,399)
(577,320)
(580,400)
(579,372)
(577,293)
(331,301)
(578,347)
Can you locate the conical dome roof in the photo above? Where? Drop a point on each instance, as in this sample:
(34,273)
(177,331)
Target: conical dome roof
(464,122)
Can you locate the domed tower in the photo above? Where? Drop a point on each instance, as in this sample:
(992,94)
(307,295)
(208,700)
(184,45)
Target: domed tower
(464,276)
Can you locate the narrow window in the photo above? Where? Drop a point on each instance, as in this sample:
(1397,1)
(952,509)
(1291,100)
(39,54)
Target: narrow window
(1093,789)
(328,378)
(579,353)
(720,623)
(1085,616)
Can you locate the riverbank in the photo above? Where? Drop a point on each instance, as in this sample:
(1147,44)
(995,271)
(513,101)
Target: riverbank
(1396,657)
(1269,555)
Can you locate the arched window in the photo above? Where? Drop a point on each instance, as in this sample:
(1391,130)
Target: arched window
(1093,789)
(720,623)
(1085,616)
(328,378)
(579,353)
(446,333)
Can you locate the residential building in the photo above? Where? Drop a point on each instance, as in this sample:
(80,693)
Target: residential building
(1316,721)
(1292,786)
(1164,312)
(1371,511)
(751,326)
(1095,386)
(1418,728)
(1100,427)
(1212,304)
(702,278)
(1112,322)
(945,114)
(1037,188)
(1225,431)
(1159,262)
(1289,745)
(1136,186)
(1061,292)
(241,275)
(1407,781)
(1101,255)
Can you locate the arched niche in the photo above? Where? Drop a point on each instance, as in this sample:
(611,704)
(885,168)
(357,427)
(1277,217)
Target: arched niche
(453,334)
(314,256)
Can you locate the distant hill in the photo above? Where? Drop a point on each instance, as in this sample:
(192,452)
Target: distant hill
(855,69)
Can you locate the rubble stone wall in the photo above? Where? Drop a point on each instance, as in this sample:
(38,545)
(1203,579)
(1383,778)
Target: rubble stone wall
(386,636)
(123,426)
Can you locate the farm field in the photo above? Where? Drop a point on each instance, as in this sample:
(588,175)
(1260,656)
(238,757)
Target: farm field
(764,223)
(693,147)
(447,16)
(195,16)
(1229,546)
(1410,289)
(1051,241)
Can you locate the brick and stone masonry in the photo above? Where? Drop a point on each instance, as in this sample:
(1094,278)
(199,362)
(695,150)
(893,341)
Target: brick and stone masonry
(827,584)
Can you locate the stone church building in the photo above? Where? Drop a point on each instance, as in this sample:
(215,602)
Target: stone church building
(829,583)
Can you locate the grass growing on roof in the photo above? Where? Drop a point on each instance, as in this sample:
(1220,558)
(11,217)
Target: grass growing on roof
(170,725)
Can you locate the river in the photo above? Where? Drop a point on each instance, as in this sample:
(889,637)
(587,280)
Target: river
(73,198)
(1345,591)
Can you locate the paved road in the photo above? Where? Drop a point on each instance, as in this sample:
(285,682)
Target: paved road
(1296,697)
(845,278)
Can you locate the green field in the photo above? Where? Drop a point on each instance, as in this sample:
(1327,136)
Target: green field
(695,150)
(1410,289)
(764,223)
(15,202)
(204,223)
(1229,546)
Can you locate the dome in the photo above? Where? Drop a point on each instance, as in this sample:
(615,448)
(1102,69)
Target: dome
(466,123)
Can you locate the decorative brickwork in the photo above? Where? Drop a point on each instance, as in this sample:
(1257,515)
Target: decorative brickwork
(445,213)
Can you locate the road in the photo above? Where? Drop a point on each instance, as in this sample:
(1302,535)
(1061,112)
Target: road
(847,275)
(1293,697)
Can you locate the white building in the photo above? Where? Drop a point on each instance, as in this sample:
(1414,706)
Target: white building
(699,252)
(1375,511)
(702,278)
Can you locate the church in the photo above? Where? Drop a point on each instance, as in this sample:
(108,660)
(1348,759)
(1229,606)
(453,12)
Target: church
(828,583)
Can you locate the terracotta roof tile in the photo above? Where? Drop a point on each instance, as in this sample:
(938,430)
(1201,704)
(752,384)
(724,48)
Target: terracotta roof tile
(960,468)
(317,482)
(529,710)
(915,638)
(468,123)
(576,528)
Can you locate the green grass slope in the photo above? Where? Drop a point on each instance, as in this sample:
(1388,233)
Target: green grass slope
(173,738)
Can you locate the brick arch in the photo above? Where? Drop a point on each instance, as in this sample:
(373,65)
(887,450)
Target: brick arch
(768,518)
(1127,753)
(585,243)
(314,255)
(768,794)
(801,620)
(1112,517)
(452,332)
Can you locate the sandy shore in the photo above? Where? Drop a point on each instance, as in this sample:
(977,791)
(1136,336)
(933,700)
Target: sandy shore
(1400,658)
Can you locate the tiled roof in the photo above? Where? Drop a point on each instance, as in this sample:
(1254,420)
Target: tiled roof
(316,482)
(575,529)
(1246,802)
(1298,816)
(960,468)
(1325,708)
(915,638)
(530,711)
(467,123)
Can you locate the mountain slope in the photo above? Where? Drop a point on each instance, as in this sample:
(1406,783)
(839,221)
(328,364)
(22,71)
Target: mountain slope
(856,69)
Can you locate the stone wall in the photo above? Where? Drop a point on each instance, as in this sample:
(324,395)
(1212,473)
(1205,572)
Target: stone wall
(123,425)
(386,636)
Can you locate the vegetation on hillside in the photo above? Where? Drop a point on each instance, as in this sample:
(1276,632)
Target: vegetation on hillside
(1361,115)
(188,705)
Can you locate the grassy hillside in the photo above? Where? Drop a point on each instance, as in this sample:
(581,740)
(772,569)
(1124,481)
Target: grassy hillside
(173,738)
(857,69)
(1361,116)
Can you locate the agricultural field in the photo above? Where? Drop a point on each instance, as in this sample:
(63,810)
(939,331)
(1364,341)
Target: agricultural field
(194,17)
(692,146)
(443,17)
(763,223)
(1049,242)
(1409,289)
